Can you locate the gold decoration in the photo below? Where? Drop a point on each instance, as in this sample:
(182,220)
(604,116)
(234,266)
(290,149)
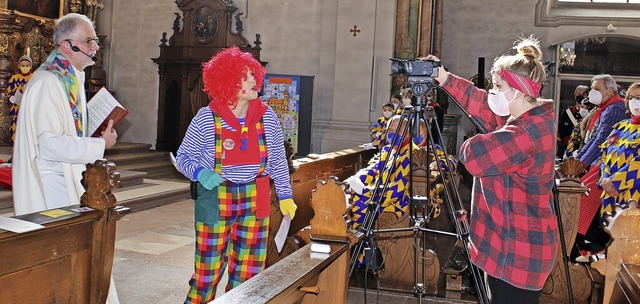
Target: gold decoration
(92,9)
(75,6)
(4,43)
(571,169)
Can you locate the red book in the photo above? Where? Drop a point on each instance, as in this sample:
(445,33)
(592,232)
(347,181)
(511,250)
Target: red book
(101,108)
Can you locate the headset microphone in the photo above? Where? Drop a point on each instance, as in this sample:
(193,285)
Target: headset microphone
(77,49)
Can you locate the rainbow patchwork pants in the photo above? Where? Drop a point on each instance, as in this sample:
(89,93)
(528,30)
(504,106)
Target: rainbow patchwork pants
(238,239)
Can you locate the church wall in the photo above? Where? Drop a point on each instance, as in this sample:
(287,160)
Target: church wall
(311,37)
(134,29)
(488,29)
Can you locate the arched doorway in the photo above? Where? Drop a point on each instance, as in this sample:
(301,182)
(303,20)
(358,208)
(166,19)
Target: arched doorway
(578,60)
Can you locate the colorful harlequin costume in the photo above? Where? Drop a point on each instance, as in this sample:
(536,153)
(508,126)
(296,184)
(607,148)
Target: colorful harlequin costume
(608,113)
(242,153)
(378,132)
(621,163)
(396,198)
(15,88)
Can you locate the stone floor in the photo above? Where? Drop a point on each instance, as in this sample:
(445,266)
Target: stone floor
(154,259)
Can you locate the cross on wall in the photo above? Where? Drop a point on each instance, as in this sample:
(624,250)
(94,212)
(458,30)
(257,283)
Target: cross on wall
(355,30)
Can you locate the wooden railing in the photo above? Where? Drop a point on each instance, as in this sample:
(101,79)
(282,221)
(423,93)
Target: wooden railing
(70,259)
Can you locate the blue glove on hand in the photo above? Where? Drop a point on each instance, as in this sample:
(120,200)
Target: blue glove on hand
(209,179)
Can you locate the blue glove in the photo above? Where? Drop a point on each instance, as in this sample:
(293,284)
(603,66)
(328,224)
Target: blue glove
(209,179)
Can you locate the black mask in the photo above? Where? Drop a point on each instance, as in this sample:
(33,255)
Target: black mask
(579,98)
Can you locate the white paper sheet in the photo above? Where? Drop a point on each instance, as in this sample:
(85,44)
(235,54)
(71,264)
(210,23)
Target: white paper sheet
(17,226)
(173,160)
(283,231)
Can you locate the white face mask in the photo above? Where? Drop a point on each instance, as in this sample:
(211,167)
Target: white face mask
(583,112)
(498,102)
(387,114)
(595,97)
(406,101)
(634,106)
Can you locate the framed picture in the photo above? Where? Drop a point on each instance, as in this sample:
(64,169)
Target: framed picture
(50,9)
(204,25)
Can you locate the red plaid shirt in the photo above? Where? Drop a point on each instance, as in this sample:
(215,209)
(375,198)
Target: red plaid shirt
(513,233)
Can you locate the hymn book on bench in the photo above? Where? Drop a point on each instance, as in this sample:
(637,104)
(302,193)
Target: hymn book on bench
(102,107)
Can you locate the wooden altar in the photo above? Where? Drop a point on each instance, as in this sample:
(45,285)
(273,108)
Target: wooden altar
(206,29)
(70,259)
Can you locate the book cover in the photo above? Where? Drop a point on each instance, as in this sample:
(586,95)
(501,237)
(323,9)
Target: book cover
(100,109)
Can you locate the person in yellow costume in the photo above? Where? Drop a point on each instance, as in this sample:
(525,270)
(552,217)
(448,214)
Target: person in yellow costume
(15,87)
(394,156)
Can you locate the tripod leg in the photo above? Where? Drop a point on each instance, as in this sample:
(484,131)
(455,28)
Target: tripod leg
(386,167)
(461,224)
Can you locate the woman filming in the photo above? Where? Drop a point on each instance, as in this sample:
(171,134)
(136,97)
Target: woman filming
(513,233)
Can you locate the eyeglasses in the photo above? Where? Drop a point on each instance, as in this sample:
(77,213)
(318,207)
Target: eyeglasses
(88,41)
(634,97)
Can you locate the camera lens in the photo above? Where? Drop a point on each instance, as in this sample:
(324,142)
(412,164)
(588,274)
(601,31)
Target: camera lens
(396,67)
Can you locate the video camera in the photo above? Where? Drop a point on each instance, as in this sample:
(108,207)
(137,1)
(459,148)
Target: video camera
(415,67)
(419,73)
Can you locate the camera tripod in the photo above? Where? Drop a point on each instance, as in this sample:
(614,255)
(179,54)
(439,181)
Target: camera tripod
(411,119)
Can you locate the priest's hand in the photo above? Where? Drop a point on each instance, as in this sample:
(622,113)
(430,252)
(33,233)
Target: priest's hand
(109,135)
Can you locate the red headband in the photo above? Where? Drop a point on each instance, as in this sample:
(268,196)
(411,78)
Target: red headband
(520,83)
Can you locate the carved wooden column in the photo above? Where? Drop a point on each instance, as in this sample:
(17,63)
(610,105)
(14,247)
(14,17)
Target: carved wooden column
(418,31)
(7,38)
(583,277)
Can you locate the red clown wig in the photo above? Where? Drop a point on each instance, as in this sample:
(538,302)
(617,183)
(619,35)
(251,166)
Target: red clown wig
(223,74)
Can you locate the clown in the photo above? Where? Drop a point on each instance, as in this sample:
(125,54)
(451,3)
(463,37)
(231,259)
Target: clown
(15,88)
(230,151)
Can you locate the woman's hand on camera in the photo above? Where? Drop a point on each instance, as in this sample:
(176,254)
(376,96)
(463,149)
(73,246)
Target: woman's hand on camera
(442,73)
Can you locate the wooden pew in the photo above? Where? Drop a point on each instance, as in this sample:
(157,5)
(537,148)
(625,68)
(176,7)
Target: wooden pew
(303,276)
(70,259)
(309,170)
(586,282)
(305,174)
(622,225)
